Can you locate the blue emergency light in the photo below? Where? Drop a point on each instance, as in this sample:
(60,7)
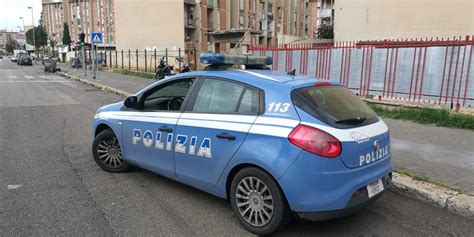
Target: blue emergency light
(218,58)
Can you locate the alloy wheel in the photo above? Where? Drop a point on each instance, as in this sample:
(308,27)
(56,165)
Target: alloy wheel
(254,201)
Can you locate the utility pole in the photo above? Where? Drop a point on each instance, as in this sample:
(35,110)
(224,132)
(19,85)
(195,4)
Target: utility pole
(94,58)
(81,39)
(34,40)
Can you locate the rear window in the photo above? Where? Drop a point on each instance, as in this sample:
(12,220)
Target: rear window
(334,105)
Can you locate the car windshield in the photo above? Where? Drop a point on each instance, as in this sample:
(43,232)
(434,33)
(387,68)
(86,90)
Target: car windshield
(334,105)
(24,56)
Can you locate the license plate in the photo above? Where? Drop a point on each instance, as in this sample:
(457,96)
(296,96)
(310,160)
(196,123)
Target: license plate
(375,188)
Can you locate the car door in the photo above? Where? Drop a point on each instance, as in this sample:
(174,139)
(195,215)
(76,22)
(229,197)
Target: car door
(212,128)
(148,131)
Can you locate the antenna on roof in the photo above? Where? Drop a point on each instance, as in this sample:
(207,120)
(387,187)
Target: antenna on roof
(292,72)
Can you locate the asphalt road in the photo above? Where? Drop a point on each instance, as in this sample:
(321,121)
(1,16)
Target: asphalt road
(50,185)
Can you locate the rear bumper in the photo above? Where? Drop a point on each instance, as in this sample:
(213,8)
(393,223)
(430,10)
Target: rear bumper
(315,184)
(356,204)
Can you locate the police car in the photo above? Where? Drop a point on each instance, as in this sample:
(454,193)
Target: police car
(276,145)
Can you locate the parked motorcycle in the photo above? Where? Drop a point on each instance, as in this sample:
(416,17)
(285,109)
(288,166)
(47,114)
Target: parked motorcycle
(185,67)
(163,70)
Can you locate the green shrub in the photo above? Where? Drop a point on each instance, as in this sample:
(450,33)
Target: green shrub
(146,75)
(439,117)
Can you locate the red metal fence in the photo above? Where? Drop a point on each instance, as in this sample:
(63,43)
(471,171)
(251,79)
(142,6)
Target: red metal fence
(431,70)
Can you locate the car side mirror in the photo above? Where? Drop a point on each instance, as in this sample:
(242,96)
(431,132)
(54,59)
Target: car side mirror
(131,102)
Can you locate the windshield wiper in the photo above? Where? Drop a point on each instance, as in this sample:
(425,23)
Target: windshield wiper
(355,120)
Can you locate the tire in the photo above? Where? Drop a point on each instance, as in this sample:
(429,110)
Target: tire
(107,152)
(256,216)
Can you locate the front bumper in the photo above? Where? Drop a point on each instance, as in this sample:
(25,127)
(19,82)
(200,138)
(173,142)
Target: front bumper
(357,203)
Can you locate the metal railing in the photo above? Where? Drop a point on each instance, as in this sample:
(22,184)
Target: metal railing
(436,71)
(146,60)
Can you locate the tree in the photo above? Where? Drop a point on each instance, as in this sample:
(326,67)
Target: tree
(325,31)
(66,36)
(41,38)
(52,43)
(11,45)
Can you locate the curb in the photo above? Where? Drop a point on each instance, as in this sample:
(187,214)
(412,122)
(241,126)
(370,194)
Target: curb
(456,202)
(459,203)
(97,85)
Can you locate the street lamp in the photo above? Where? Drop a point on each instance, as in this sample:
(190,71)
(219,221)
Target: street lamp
(21,18)
(33,23)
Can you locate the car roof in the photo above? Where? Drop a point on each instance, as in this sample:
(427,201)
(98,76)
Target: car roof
(259,78)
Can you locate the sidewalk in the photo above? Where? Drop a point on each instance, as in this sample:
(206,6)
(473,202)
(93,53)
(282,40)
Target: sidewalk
(129,84)
(443,155)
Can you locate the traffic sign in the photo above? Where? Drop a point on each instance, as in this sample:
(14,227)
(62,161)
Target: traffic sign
(96,37)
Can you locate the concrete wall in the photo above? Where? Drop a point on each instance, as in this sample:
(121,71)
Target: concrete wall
(400,19)
(149,24)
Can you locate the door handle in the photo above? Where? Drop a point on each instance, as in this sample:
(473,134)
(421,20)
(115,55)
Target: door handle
(165,129)
(225,136)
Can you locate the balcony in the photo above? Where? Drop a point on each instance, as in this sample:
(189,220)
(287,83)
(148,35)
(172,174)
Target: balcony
(189,23)
(325,13)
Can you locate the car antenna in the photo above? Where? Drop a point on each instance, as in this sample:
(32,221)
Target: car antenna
(292,72)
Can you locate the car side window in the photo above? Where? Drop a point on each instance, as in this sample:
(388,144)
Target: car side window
(169,97)
(249,103)
(221,96)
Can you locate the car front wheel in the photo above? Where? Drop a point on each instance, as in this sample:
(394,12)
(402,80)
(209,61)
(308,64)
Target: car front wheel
(258,201)
(107,152)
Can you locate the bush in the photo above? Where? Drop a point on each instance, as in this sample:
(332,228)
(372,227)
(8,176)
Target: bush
(325,31)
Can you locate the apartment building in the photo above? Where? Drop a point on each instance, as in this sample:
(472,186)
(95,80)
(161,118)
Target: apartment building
(53,18)
(223,25)
(82,16)
(402,19)
(149,24)
(87,16)
(4,38)
(325,9)
(206,25)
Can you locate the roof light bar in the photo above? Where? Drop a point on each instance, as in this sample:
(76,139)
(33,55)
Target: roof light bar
(218,58)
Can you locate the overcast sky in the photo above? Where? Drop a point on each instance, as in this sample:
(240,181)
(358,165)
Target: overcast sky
(11,10)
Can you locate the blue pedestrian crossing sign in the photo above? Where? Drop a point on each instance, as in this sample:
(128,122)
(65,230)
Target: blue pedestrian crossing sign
(96,37)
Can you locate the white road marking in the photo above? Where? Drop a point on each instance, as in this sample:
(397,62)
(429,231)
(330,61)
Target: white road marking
(29,77)
(44,77)
(14,186)
(12,77)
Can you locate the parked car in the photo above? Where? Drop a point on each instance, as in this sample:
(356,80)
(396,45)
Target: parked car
(276,145)
(25,59)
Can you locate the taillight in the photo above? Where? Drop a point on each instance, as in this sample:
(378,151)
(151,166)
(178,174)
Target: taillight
(315,141)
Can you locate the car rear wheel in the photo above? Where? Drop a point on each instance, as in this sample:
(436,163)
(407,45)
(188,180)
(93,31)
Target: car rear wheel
(107,152)
(258,201)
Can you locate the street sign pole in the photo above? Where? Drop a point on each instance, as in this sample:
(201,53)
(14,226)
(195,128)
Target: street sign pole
(94,63)
(97,69)
(96,38)
(84,61)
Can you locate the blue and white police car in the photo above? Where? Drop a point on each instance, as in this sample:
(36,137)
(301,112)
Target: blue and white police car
(277,145)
